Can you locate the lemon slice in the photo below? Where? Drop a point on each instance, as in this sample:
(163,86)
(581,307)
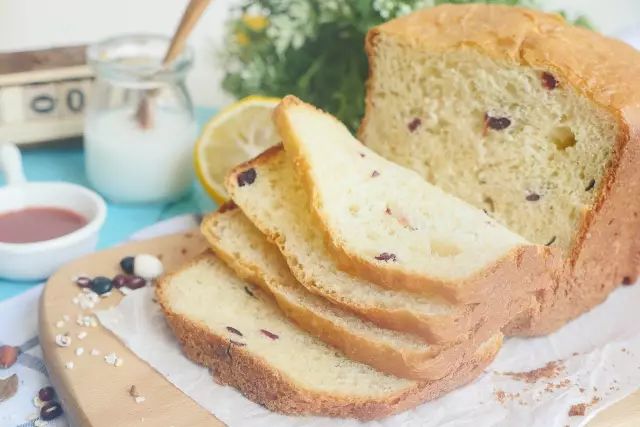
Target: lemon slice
(236,134)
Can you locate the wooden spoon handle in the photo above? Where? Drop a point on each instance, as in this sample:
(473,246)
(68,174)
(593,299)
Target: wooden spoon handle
(189,18)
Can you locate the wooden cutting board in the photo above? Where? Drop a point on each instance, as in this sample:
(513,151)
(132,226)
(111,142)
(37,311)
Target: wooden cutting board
(95,394)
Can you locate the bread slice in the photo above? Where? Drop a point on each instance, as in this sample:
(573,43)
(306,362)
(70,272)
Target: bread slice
(386,224)
(248,343)
(564,171)
(276,202)
(242,247)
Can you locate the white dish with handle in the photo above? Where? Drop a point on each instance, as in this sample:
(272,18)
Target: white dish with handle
(38,260)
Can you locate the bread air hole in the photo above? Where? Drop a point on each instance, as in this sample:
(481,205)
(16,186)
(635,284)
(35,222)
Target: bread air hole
(563,137)
(444,249)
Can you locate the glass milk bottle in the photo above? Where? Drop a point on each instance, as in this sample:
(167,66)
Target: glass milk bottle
(139,126)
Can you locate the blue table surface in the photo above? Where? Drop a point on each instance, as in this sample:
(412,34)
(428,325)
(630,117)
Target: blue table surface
(65,162)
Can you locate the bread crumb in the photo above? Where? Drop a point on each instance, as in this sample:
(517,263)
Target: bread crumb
(549,371)
(502,396)
(579,409)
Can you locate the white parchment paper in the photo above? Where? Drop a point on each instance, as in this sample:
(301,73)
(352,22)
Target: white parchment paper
(599,353)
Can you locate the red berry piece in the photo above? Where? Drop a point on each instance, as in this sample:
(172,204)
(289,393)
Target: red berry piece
(135,282)
(46,394)
(120,280)
(83,281)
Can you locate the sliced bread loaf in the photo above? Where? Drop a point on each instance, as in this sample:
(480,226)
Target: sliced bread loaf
(517,112)
(270,195)
(242,247)
(386,224)
(248,343)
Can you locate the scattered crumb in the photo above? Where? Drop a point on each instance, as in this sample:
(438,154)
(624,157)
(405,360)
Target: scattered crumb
(581,389)
(63,340)
(60,324)
(575,353)
(66,317)
(579,409)
(113,359)
(79,351)
(95,352)
(502,396)
(550,387)
(183,251)
(69,365)
(82,335)
(550,370)
(133,392)
(86,299)
(86,321)
(37,402)
(39,423)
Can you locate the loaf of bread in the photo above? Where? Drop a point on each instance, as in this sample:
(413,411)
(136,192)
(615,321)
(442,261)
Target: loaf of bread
(527,117)
(496,190)
(248,344)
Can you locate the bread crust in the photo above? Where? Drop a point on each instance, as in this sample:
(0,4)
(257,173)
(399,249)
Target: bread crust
(605,251)
(257,380)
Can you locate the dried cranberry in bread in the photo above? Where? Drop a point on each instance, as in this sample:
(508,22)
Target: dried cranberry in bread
(249,344)
(523,115)
(251,256)
(385,223)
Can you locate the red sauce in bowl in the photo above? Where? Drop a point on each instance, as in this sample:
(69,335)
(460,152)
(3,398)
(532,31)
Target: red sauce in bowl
(37,224)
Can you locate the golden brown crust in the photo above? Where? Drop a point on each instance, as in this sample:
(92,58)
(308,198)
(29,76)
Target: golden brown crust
(604,70)
(262,383)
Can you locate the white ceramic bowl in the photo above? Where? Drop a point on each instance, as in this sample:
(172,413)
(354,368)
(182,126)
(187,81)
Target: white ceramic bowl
(38,260)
